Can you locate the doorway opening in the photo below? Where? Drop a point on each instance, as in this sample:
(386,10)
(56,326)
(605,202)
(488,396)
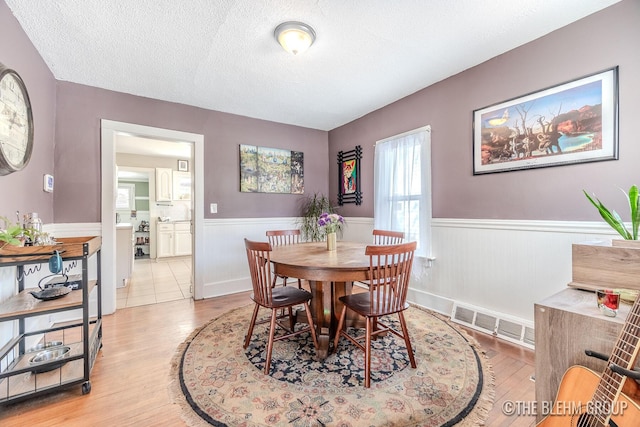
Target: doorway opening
(143,275)
(188,210)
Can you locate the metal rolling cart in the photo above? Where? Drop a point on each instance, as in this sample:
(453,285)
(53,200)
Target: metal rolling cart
(43,356)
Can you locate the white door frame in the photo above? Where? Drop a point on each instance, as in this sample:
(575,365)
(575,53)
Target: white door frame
(109,131)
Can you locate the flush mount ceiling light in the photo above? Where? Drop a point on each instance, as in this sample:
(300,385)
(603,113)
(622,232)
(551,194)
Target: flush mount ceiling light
(295,37)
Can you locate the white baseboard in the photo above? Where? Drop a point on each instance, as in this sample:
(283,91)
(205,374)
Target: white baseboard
(229,287)
(428,300)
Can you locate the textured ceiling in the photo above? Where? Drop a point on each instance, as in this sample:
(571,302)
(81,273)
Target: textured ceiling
(221,54)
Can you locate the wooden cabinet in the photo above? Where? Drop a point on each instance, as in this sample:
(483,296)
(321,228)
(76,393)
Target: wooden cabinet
(174,239)
(25,371)
(164,184)
(567,324)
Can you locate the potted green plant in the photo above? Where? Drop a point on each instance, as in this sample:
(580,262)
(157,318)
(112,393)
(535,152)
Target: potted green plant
(11,234)
(312,207)
(613,219)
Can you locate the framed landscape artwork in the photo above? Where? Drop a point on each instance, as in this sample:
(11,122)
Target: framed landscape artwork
(271,170)
(570,123)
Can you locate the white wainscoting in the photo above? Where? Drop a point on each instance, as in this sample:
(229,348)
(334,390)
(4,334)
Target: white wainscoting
(499,265)
(502,266)
(226,269)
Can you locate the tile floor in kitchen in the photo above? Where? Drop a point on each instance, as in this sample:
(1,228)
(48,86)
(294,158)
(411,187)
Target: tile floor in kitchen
(152,282)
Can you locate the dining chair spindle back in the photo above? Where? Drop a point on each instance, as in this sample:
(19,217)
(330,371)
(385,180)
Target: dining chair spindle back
(281,238)
(389,276)
(387,237)
(274,299)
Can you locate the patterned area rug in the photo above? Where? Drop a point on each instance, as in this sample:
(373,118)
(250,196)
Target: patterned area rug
(219,383)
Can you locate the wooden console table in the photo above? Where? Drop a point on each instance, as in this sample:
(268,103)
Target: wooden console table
(567,324)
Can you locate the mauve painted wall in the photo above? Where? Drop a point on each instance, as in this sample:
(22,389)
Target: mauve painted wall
(22,190)
(80,109)
(597,42)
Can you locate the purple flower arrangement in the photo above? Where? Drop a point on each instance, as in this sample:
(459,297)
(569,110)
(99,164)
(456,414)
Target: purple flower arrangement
(331,222)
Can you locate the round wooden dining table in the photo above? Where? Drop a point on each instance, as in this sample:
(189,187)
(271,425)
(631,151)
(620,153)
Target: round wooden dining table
(330,275)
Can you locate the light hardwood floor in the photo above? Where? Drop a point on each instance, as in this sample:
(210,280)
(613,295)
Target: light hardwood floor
(130,380)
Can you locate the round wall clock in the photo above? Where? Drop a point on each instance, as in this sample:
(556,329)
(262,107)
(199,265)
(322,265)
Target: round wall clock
(16,122)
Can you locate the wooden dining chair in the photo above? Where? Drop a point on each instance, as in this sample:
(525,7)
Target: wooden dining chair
(281,238)
(274,298)
(387,237)
(389,275)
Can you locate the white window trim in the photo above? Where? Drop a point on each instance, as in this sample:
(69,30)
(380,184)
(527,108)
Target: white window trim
(132,196)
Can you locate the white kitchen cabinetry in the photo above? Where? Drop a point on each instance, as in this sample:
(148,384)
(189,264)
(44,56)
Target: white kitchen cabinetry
(164,241)
(164,184)
(174,239)
(182,238)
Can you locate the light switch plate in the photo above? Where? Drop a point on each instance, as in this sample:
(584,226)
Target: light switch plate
(213,208)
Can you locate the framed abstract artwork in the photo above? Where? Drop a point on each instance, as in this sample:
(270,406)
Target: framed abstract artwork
(570,123)
(349,176)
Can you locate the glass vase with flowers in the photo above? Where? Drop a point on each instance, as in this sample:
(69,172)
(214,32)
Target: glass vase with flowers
(331,223)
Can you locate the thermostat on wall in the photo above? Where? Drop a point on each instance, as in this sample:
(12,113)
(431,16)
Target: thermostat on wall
(48,183)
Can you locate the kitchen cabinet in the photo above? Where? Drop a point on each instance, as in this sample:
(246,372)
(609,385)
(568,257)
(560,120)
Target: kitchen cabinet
(164,245)
(174,239)
(28,370)
(164,184)
(182,239)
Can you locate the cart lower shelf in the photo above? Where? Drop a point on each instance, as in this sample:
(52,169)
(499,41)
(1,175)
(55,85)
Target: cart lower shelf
(24,379)
(69,371)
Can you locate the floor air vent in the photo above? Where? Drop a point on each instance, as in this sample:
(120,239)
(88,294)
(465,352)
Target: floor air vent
(529,336)
(510,329)
(506,327)
(464,315)
(486,322)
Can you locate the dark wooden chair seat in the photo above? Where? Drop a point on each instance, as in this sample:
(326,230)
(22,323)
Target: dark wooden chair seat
(287,296)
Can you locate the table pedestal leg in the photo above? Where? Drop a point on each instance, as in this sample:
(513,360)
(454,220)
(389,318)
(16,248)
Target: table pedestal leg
(326,307)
